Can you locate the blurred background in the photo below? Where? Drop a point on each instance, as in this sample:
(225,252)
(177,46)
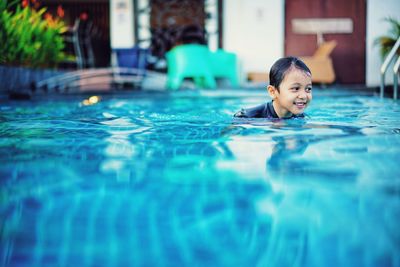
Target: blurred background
(258,32)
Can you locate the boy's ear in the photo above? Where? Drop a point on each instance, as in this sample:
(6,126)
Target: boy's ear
(272,91)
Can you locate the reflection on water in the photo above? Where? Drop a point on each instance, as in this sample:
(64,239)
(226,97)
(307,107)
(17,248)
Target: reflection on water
(174,181)
(332,179)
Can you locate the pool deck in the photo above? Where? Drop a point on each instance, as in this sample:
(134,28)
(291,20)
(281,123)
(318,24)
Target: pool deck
(156,84)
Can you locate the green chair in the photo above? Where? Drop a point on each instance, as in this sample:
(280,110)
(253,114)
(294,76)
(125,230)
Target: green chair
(189,61)
(224,65)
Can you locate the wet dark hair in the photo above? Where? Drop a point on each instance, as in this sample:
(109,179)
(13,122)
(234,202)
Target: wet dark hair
(281,66)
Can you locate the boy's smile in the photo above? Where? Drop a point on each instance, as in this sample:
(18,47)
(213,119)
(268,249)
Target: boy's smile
(294,94)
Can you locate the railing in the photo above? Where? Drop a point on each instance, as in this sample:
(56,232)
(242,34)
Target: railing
(384,67)
(396,68)
(74,79)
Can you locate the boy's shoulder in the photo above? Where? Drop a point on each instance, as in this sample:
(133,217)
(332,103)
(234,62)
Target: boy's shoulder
(254,112)
(265,110)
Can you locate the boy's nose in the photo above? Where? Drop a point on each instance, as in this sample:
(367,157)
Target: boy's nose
(302,94)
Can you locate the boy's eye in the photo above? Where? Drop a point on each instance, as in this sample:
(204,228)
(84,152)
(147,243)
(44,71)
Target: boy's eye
(308,89)
(295,88)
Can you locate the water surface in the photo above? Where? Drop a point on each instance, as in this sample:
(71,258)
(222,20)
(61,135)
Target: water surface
(171,179)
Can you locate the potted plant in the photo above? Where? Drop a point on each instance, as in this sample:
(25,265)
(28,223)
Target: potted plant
(31,42)
(30,37)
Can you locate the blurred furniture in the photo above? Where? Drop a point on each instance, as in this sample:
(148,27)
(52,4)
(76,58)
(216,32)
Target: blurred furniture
(86,40)
(189,61)
(79,37)
(134,57)
(72,36)
(129,65)
(223,65)
(320,63)
(197,62)
(258,77)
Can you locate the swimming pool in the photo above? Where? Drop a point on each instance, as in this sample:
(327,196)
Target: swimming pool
(170,179)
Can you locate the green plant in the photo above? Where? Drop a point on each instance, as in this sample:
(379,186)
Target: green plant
(386,42)
(30,37)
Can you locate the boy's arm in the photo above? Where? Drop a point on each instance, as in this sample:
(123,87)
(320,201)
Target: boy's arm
(255,112)
(241,114)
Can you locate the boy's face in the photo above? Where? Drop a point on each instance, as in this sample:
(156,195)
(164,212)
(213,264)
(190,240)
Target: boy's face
(294,93)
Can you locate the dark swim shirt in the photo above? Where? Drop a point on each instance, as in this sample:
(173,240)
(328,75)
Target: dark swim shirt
(262,111)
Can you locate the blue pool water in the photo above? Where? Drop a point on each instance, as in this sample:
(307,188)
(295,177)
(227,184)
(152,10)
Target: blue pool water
(156,179)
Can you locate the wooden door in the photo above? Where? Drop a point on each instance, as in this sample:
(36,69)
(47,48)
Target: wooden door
(349,55)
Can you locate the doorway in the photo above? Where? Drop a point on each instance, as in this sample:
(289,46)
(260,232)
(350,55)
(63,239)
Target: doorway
(349,55)
(160,25)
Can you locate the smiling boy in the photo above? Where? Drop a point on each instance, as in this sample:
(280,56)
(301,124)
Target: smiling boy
(290,89)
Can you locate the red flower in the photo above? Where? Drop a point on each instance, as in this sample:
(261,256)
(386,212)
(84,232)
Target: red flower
(25,3)
(60,11)
(48,17)
(83,16)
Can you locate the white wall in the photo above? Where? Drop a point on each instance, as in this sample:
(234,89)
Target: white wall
(376,11)
(121,24)
(254,30)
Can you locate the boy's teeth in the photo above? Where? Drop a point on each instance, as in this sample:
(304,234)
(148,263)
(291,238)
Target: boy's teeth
(300,104)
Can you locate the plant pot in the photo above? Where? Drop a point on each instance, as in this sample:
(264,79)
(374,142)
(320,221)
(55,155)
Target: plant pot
(19,82)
